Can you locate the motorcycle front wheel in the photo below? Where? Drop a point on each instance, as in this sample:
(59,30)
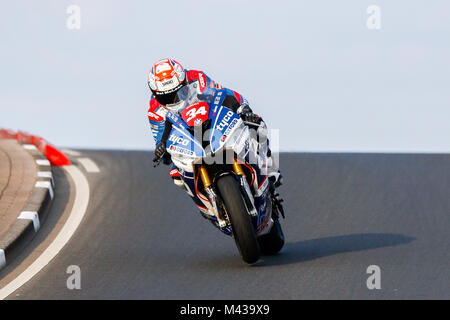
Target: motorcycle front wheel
(241,224)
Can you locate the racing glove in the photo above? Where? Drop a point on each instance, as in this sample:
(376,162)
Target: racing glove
(247,114)
(250,117)
(160,150)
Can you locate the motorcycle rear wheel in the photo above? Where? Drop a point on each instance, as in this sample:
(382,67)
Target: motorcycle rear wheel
(241,224)
(272,242)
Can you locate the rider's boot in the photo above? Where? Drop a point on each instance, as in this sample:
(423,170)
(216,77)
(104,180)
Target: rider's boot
(175,175)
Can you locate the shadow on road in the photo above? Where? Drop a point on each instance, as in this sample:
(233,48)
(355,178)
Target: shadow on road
(317,248)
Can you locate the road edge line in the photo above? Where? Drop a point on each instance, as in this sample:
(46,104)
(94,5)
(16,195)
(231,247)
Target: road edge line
(23,229)
(77,213)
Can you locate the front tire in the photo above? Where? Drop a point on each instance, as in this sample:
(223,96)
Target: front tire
(241,224)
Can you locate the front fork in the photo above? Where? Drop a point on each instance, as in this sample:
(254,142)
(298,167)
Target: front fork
(248,197)
(207,183)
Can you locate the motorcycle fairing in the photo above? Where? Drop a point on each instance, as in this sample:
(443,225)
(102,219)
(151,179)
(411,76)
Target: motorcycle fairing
(221,128)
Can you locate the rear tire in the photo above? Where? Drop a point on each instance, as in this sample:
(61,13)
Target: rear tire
(241,224)
(272,242)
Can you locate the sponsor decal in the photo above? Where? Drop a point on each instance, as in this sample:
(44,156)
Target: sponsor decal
(167,82)
(217,100)
(181,150)
(231,126)
(154,116)
(225,120)
(195,114)
(172,116)
(178,140)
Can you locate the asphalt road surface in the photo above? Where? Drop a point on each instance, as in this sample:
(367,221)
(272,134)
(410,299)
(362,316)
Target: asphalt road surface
(142,238)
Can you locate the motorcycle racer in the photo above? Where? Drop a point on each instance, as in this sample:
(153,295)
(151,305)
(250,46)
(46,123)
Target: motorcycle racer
(165,78)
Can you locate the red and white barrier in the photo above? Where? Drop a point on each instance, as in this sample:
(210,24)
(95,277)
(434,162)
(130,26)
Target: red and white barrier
(56,157)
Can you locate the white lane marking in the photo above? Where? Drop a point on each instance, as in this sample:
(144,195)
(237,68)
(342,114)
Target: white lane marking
(29,147)
(89,165)
(45,184)
(42,162)
(2,258)
(71,152)
(80,205)
(31,215)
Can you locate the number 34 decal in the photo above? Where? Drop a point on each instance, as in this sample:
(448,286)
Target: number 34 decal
(195,114)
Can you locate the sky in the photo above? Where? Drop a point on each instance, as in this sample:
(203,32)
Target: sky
(313,70)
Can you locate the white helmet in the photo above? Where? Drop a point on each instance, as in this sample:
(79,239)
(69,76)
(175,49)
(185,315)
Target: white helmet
(164,80)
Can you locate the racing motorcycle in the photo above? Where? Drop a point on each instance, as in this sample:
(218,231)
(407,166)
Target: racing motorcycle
(224,168)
